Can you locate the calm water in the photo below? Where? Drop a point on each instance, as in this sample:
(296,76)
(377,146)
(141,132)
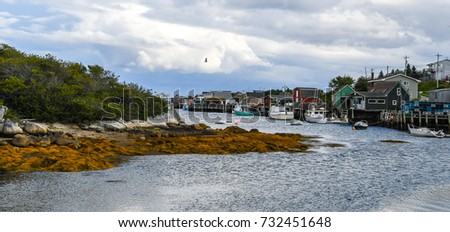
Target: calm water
(365,175)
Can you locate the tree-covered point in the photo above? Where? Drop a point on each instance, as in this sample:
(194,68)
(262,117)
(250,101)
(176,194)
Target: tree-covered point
(48,89)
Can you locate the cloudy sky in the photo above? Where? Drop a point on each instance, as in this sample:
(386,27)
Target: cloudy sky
(250,44)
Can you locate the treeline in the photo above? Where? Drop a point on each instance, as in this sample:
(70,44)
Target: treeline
(48,89)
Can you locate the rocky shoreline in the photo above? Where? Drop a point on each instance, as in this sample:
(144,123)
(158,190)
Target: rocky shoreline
(30,146)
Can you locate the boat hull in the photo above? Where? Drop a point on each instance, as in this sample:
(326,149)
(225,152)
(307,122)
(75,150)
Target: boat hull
(282,116)
(245,113)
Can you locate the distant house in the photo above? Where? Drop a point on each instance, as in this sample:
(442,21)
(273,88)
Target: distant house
(439,95)
(305,95)
(439,71)
(384,95)
(341,99)
(410,84)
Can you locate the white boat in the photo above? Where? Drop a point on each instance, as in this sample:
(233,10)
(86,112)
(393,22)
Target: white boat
(281,113)
(360,125)
(315,115)
(296,123)
(425,132)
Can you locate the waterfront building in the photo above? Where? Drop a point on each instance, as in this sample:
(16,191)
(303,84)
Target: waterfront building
(439,95)
(382,96)
(439,70)
(409,83)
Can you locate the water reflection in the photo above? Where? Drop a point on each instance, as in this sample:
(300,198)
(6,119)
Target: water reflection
(365,175)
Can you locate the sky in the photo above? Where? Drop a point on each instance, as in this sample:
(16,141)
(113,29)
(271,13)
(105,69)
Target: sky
(249,44)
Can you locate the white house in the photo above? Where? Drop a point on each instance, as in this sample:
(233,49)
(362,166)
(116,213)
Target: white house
(439,70)
(410,84)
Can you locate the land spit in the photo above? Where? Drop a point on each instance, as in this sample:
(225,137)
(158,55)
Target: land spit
(71,148)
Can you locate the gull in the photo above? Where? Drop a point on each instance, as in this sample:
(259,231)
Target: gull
(206,59)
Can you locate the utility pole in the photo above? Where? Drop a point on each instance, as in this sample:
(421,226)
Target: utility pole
(406,62)
(387,70)
(437,70)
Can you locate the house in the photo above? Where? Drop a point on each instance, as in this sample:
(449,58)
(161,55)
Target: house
(439,95)
(341,99)
(384,95)
(305,95)
(409,83)
(439,70)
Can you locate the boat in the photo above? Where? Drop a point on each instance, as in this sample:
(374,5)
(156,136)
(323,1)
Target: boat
(245,111)
(297,123)
(360,125)
(316,115)
(185,107)
(281,112)
(425,132)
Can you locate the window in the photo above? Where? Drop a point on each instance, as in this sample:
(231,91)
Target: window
(406,83)
(399,92)
(377,101)
(394,102)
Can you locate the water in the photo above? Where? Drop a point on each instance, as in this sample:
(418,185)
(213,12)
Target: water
(365,175)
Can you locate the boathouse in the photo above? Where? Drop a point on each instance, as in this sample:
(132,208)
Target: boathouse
(382,96)
(409,83)
(341,98)
(439,95)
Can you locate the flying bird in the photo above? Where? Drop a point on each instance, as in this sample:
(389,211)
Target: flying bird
(206,60)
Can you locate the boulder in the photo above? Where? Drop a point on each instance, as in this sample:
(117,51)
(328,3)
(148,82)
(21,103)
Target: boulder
(20,140)
(45,141)
(35,128)
(62,141)
(113,125)
(11,128)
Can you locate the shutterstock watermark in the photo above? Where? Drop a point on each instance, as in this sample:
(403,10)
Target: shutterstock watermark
(208,107)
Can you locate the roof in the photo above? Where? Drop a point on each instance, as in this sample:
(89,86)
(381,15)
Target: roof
(221,94)
(438,90)
(345,86)
(380,89)
(394,76)
(441,61)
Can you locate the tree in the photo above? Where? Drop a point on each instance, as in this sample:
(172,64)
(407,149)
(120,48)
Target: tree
(362,84)
(381,74)
(340,81)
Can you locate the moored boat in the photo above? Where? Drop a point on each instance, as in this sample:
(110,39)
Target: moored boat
(425,132)
(281,113)
(296,123)
(360,125)
(316,115)
(246,111)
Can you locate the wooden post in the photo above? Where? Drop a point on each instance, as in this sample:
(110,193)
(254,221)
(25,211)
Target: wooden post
(404,120)
(426,119)
(437,121)
(448,120)
(412,118)
(420,118)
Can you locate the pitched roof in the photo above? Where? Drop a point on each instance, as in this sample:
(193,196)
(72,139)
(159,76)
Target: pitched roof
(380,89)
(388,78)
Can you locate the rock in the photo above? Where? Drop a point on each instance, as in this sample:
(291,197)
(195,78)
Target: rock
(61,141)
(20,140)
(11,128)
(3,143)
(35,128)
(3,110)
(113,125)
(254,130)
(96,128)
(46,141)
(200,126)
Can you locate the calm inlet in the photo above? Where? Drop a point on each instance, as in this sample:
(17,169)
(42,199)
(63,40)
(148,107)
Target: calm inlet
(364,175)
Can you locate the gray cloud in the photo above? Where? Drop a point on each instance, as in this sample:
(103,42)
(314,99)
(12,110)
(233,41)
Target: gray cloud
(269,42)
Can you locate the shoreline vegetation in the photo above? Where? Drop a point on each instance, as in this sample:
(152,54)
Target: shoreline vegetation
(71,148)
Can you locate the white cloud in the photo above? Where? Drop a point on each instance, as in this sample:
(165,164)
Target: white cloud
(271,41)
